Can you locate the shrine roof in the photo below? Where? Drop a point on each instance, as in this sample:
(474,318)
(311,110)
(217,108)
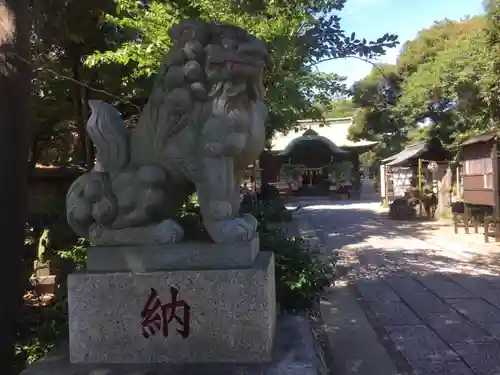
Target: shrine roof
(335,130)
(410,152)
(485,137)
(417,150)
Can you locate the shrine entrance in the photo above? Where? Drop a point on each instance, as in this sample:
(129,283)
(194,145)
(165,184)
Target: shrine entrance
(314,166)
(305,180)
(319,161)
(314,177)
(315,181)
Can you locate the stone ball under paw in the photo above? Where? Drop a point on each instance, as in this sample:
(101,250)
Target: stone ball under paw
(127,197)
(81,212)
(104,211)
(93,190)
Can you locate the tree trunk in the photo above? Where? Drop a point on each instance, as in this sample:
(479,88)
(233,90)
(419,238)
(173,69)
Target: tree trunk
(444,193)
(78,103)
(14,149)
(85,114)
(34,154)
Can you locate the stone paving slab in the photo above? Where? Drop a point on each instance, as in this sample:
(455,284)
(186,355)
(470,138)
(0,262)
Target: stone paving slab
(444,287)
(493,329)
(406,285)
(425,303)
(473,283)
(483,358)
(355,346)
(394,314)
(439,368)
(492,296)
(420,344)
(477,310)
(453,327)
(376,291)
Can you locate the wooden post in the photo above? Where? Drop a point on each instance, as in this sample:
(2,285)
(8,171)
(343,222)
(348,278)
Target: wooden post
(487,229)
(15,78)
(386,185)
(496,187)
(466,218)
(419,172)
(496,191)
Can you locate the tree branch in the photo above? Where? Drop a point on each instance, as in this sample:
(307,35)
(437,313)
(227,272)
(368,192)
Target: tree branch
(350,57)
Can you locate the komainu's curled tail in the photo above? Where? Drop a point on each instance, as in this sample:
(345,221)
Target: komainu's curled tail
(90,199)
(106,129)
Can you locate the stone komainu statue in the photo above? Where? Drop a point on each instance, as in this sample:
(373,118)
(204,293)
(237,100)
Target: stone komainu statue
(203,124)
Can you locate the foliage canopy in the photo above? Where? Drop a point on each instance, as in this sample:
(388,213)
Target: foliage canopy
(445,83)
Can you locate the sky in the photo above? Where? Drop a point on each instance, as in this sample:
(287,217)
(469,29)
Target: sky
(371,19)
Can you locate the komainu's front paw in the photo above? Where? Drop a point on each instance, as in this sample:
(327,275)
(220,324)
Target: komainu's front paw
(240,229)
(166,232)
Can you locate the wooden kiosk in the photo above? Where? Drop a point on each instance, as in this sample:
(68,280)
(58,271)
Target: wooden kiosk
(480,182)
(401,171)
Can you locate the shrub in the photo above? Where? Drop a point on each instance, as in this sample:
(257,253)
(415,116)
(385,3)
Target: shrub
(43,324)
(301,274)
(402,209)
(271,210)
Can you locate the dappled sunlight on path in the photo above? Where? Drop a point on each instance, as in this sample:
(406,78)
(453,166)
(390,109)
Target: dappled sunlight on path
(434,302)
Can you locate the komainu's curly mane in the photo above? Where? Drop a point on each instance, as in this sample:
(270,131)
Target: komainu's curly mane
(198,78)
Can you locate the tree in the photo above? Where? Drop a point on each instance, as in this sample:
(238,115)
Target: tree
(14,95)
(448,89)
(62,34)
(299,34)
(491,84)
(375,119)
(443,79)
(340,108)
(431,41)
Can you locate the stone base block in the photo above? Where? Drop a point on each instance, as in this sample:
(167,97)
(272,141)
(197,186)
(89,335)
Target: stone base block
(296,352)
(188,255)
(191,316)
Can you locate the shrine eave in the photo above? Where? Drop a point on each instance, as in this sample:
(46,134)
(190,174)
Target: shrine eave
(305,138)
(360,148)
(335,130)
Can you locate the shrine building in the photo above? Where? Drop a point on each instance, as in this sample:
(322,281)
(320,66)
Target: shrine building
(317,159)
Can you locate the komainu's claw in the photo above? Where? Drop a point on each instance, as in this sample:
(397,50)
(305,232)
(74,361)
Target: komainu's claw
(164,233)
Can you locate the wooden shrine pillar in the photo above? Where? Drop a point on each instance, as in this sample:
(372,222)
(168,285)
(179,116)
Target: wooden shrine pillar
(15,77)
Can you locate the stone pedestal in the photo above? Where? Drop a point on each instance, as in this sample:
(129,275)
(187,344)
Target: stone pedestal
(296,352)
(192,315)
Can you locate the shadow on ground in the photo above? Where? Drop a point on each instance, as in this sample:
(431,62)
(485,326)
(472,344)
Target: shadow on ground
(346,223)
(435,306)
